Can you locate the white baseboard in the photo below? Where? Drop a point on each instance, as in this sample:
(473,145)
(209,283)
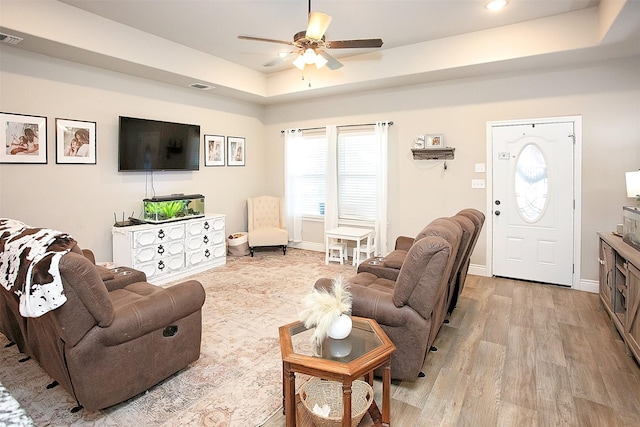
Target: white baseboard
(588,286)
(308,246)
(478,270)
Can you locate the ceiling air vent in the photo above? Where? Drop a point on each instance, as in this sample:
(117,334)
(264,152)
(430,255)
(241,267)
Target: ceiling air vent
(6,38)
(200,86)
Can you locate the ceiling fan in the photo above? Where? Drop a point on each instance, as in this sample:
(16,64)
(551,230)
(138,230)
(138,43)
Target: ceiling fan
(310,44)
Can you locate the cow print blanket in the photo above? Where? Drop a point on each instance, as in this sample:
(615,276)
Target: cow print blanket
(29,265)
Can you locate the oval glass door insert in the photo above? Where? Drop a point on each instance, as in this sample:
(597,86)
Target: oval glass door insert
(531,183)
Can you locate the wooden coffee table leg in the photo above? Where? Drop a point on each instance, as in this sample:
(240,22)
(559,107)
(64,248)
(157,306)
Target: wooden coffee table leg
(346,403)
(368,377)
(289,391)
(386,394)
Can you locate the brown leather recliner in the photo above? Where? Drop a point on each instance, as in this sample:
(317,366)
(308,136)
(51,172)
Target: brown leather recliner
(468,228)
(409,309)
(477,218)
(470,220)
(389,267)
(106,346)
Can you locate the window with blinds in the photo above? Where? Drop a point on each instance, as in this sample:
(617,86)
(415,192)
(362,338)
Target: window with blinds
(357,189)
(356,165)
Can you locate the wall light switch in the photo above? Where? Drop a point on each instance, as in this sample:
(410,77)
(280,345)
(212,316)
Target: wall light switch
(477,183)
(480,167)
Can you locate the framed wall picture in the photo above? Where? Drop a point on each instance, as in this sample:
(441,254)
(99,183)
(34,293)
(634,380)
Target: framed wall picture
(75,142)
(434,141)
(23,138)
(236,151)
(214,150)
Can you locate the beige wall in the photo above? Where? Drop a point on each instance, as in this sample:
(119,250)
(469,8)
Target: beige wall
(607,96)
(81,199)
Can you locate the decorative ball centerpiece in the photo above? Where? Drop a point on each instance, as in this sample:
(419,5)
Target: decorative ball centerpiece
(328,311)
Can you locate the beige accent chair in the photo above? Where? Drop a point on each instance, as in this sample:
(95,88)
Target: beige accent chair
(267,226)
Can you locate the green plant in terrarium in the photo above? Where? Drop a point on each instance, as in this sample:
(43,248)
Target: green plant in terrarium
(171,209)
(151,210)
(165,210)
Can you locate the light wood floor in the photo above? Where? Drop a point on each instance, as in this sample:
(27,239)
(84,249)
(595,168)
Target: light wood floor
(521,354)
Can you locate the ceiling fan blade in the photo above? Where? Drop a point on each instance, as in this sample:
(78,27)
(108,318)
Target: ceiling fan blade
(318,24)
(279,59)
(359,43)
(332,63)
(262,39)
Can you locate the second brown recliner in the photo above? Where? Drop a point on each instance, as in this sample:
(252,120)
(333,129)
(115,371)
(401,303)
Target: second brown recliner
(409,309)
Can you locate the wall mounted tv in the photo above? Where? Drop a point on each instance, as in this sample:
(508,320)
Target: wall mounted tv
(151,145)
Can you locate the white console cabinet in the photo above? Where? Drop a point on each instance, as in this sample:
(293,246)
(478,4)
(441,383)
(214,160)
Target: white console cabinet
(170,251)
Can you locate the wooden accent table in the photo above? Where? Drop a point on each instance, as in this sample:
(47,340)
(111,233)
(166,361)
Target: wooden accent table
(364,350)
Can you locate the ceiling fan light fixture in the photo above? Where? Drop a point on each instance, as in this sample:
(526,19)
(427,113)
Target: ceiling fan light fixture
(318,24)
(320,61)
(309,56)
(299,62)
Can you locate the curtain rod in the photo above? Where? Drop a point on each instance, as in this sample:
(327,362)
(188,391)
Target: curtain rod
(341,126)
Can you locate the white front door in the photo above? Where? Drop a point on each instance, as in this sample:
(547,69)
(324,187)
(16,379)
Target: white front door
(533,202)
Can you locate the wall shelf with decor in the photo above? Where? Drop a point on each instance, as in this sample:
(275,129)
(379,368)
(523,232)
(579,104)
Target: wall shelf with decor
(433,153)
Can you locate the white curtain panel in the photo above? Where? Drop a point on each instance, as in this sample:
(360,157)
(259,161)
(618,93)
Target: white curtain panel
(382,141)
(331,183)
(293,188)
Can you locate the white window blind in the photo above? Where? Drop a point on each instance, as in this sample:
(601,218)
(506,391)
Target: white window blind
(313,164)
(357,183)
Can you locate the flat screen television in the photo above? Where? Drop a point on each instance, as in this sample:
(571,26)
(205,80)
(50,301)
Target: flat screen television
(152,145)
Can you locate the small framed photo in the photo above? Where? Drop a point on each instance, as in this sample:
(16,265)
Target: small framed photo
(75,142)
(23,138)
(214,150)
(434,141)
(236,151)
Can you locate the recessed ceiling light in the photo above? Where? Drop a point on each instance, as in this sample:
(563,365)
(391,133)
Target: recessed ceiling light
(496,4)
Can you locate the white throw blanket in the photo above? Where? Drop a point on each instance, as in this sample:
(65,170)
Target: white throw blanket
(29,265)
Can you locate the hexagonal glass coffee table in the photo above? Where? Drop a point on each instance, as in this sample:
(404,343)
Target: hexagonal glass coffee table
(367,348)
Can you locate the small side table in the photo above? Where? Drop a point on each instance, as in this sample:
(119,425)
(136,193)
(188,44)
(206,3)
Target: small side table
(358,235)
(364,350)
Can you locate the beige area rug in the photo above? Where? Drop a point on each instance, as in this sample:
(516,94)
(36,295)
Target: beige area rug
(238,379)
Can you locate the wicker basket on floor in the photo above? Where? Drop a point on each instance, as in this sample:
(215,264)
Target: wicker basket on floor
(322,392)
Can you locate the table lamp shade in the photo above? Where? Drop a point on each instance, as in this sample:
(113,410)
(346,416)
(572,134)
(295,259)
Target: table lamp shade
(633,183)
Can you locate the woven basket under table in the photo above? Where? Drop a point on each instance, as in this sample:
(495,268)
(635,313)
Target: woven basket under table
(330,393)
